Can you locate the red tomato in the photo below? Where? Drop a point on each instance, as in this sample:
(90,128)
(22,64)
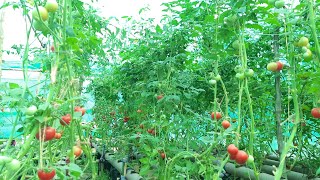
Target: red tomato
(80,109)
(126,119)
(279,66)
(217,114)
(65,120)
(232,149)
(43,175)
(149,131)
(315,112)
(160,96)
(163,155)
(241,157)
(58,136)
(225,124)
(52,48)
(49,133)
(77,151)
(232,156)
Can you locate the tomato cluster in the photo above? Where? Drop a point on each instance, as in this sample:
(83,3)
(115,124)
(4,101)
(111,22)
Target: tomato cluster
(239,156)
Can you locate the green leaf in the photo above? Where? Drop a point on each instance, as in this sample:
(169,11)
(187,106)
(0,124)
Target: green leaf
(75,170)
(318,171)
(158,29)
(144,160)
(13,85)
(144,170)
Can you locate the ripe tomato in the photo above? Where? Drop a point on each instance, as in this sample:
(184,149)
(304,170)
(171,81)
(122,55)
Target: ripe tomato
(44,15)
(163,155)
(272,66)
(80,109)
(160,96)
(279,66)
(232,149)
(65,120)
(52,48)
(315,112)
(217,114)
(58,136)
(232,156)
(31,110)
(46,175)
(77,151)
(149,131)
(225,124)
(51,6)
(49,133)
(241,157)
(126,119)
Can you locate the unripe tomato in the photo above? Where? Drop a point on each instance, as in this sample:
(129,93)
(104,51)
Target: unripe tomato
(31,110)
(4,160)
(13,165)
(279,4)
(240,76)
(43,13)
(249,72)
(236,44)
(303,41)
(57,136)
(217,77)
(51,6)
(212,82)
(272,66)
(216,115)
(250,159)
(232,149)
(307,55)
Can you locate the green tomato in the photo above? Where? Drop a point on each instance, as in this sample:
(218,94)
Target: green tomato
(271,2)
(238,69)
(31,110)
(279,4)
(51,6)
(217,78)
(240,76)
(44,15)
(5,160)
(236,44)
(212,82)
(14,165)
(248,72)
(250,159)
